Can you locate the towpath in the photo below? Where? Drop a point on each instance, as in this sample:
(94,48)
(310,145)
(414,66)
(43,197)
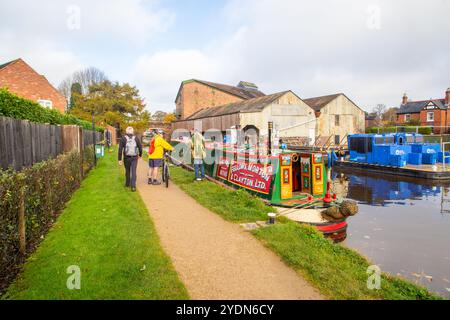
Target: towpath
(217,259)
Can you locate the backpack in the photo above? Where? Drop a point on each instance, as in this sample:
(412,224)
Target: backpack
(131,149)
(152,147)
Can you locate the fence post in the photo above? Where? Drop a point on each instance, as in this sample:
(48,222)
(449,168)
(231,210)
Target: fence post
(22,225)
(81,150)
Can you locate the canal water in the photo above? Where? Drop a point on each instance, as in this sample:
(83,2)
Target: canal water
(403,225)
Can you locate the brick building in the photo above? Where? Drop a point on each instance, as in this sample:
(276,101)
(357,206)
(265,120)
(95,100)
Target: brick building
(433,113)
(195,95)
(18,77)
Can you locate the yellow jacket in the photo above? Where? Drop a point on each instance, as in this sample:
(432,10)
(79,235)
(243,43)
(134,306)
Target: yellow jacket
(158,144)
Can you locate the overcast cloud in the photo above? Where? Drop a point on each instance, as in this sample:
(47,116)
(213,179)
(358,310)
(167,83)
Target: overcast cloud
(373,51)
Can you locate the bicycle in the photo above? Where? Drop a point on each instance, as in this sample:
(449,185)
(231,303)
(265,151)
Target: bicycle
(165,169)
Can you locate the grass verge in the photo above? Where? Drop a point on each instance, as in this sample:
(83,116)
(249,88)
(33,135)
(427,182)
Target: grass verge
(106,231)
(235,206)
(337,271)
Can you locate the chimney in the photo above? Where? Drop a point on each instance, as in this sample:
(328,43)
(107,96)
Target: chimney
(447,97)
(405,99)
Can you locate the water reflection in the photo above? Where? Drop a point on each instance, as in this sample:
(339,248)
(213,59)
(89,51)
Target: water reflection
(403,225)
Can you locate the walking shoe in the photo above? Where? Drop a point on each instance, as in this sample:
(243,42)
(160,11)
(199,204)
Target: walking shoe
(156,183)
(133,189)
(150,181)
(198,179)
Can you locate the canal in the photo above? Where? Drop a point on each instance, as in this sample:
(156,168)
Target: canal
(403,225)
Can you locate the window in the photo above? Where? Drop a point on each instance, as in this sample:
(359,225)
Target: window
(46,103)
(337,140)
(430,116)
(336,120)
(407,117)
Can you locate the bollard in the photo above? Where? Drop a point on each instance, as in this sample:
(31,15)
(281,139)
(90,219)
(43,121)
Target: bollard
(272,217)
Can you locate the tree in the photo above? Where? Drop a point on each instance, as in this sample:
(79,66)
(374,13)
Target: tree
(379,110)
(159,116)
(75,90)
(112,103)
(85,77)
(169,118)
(390,116)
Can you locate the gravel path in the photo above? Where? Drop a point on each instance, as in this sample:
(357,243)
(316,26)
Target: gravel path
(217,259)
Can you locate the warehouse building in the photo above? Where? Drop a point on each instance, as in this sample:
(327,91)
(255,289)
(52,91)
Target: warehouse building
(337,116)
(195,95)
(290,115)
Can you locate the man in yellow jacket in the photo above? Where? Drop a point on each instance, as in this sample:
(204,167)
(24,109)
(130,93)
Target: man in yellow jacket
(156,154)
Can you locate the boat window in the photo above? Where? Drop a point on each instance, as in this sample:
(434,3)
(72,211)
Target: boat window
(380,140)
(419,139)
(390,140)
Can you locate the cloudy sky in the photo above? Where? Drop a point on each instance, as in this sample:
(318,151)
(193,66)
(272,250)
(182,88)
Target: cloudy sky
(373,51)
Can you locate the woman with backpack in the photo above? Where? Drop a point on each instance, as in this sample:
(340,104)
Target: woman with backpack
(130,150)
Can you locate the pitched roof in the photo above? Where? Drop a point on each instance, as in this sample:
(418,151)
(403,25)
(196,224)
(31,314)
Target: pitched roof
(251,105)
(240,92)
(318,103)
(417,106)
(8,63)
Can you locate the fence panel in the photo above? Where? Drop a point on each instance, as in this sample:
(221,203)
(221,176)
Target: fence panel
(88,137)
(24,143)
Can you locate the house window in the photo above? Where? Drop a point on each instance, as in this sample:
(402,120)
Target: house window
(336,120)
(407,117)
(46,103)
(430,116)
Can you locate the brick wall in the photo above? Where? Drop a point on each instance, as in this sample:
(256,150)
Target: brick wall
(441,119)
(195,96)
(22,80)
(402,118)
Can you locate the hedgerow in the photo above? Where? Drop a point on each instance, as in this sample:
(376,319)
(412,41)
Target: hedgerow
(409,129)
(47,186)
(16,107)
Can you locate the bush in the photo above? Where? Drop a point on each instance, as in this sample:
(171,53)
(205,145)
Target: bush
(425,130)
(47,186)
(16,107)
(408,129)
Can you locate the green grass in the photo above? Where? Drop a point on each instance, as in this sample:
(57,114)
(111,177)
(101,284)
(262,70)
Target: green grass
(106,231)
(337,271)
(235,206)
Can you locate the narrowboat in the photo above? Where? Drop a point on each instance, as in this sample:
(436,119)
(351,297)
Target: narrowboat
(284,179)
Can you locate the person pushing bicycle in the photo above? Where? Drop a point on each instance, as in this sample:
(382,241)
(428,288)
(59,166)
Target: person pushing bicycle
(155,155)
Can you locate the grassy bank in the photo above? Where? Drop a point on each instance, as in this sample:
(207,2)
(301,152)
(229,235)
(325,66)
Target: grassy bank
(235,206)
(106,231)
(338,272)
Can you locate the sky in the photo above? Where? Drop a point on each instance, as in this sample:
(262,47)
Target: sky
(374,51)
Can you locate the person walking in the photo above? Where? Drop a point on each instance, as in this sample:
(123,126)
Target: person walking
(199,154)
(108,139)
(155,155)
(130,150)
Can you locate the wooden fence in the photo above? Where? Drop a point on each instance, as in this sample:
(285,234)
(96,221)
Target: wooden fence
(24,143)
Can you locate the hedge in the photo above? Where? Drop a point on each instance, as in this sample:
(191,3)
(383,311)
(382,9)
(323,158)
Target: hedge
(46,186)
(410,129)
(16,107)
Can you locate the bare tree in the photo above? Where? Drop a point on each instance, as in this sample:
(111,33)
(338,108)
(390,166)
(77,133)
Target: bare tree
(65,87)
(159,116)
(379,110)
(85,78)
